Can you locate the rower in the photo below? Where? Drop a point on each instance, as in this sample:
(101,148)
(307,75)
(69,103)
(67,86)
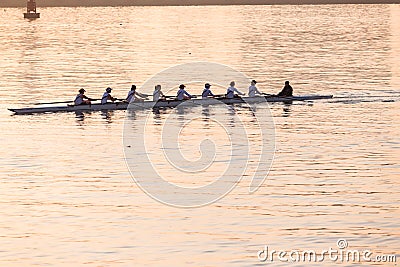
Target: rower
(132,95)
(107,96)
(286,91)
(230,93)
(79,99)
(157,94)
(253,89)
(207,92)
(182,94)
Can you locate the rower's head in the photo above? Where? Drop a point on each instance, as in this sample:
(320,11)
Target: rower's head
(182,86)
(207,85)
(157,87)
(82,91)
(253,82)
(287,82)
(133,87)
(232,83)
(108,90)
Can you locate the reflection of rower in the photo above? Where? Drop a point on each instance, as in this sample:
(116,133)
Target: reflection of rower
(182,94)
(79,99)
(230,93)
(207,92)
(107,96)
(253,89)
(286,91)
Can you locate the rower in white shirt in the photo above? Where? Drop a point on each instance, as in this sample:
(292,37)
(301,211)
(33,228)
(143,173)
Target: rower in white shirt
(182,94)
(107,96)
(157,94)
(79,99)
(207,92)
(253,89)
(230,93)
(133,95)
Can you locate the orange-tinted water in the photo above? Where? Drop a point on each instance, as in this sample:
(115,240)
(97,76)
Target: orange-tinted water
(67,197)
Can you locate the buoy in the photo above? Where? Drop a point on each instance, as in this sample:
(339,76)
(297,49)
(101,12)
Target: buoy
(31,10)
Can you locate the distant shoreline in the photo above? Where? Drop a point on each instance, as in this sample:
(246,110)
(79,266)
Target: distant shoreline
(91,3)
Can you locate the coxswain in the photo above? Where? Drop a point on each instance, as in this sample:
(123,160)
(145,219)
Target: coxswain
(182,94)
(230,93)
(107,96)
(207,92)
(287,90)
(253,89)
(80,98)
(157,94)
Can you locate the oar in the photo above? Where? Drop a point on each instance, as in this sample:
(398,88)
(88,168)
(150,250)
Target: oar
(62,102)
(174,97)
(220,95)
(143,95)
(268,95)
(58,102)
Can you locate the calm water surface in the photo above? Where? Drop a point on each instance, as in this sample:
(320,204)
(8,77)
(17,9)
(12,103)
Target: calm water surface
(68,198)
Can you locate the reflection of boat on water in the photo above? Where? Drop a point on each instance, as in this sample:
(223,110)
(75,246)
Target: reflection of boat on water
(166,104)
(107,115)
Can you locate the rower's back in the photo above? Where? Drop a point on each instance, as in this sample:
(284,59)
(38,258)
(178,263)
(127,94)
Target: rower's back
(287,90)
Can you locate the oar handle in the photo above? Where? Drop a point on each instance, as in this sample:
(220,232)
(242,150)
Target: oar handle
(57,102)
(63,102)
(268,94)
(174,97)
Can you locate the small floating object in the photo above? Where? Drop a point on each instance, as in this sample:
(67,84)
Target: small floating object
(31,10)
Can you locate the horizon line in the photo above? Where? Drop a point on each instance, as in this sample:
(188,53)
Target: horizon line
(115,3)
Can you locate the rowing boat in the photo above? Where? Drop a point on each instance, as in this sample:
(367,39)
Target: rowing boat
(164,104)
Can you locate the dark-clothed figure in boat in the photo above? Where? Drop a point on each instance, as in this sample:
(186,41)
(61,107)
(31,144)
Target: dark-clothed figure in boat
(287,90)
